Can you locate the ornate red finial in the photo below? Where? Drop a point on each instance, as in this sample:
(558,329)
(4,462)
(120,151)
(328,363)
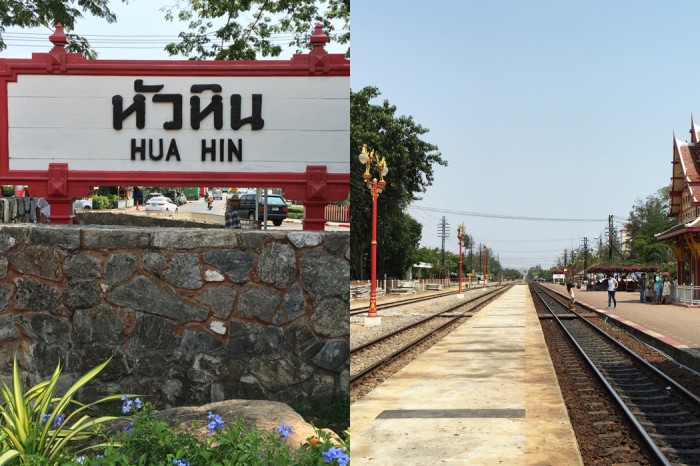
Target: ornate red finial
(58,38)
(318,37)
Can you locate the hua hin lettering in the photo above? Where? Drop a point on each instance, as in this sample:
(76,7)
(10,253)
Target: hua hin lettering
(223,150)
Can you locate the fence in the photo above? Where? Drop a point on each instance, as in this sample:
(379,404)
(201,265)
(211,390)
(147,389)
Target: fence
(361,289)
(338,213)
(684,294)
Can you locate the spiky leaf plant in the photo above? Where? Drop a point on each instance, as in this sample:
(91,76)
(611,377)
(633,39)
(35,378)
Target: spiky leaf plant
(37,424)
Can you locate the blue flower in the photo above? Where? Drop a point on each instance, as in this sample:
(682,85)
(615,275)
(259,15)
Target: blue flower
(129,426)
(57,421)
(216,422)
(99,456)
(81,460)
(284,430)
(137,403)
(181,462)
(126,407)
(337,454)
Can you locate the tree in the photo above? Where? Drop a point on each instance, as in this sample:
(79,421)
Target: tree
(537,271)
(648,218)
(410,161)
(405,230)
(511,274)
(28,14)
(226,30)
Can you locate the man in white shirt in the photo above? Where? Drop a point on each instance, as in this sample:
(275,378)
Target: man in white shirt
(612,287)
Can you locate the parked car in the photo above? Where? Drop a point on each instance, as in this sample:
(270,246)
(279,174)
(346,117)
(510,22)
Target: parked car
(217,194)
(152,195)
(276,208)
(161,203)
(177,197)
(82,204)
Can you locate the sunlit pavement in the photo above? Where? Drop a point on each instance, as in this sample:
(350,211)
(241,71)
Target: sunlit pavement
(199,211)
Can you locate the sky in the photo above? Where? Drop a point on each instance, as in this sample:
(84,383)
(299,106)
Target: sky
(545,109)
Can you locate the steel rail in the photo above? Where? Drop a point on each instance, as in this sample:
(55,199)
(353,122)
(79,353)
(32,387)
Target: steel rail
(690,396)
(422,321)
(385,360)
(364,309)
(650,443)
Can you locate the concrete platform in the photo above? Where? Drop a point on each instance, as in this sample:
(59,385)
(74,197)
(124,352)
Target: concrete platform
(486,394)
(673,329)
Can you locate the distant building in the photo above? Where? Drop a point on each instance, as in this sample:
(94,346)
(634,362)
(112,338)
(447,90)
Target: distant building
(558,276)
(417,267)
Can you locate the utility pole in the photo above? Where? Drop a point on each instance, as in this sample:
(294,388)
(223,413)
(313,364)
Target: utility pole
(610,237)
(585,258)
(485,270)
(471,257)
(443,232)
(566,257)
(480,258)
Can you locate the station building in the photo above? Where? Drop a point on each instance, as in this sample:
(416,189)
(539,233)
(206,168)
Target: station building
(684,237)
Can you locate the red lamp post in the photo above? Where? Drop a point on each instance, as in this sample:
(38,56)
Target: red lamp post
(376,187)
(460,235)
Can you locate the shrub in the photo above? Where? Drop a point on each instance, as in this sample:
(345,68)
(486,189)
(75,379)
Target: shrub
(109,201)
(148,441)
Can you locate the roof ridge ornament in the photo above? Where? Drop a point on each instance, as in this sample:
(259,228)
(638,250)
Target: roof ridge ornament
(58,55)
(318,56)
(58,38)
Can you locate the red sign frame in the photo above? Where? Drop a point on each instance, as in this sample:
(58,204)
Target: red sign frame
(60,185)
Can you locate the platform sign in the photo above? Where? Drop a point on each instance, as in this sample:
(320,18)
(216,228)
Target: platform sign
(67,123)
(178,123)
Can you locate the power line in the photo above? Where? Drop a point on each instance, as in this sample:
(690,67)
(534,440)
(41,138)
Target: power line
(525,240)
(508,217)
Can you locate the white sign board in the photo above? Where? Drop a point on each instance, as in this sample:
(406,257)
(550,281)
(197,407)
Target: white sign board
(252,124)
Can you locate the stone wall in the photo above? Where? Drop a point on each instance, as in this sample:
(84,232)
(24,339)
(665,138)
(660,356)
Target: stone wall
(15,209)
(190,315)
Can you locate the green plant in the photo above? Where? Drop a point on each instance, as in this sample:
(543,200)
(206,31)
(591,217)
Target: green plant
(149,441)
(333,413)
(39,427)
(99,202)
(8,191)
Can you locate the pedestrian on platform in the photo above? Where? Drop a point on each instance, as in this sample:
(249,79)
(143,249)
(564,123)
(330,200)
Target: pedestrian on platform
(572,297)
(657,290)
(612,288)
(665,291)
(642,288)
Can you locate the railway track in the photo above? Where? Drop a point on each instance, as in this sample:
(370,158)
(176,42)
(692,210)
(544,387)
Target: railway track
(664,415)
(373,356)
(403,302)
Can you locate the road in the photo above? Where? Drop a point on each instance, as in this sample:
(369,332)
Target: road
(216,214)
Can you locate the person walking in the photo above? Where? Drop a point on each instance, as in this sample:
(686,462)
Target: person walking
(665,291)
(612,287)
(642,288)
(231,218)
